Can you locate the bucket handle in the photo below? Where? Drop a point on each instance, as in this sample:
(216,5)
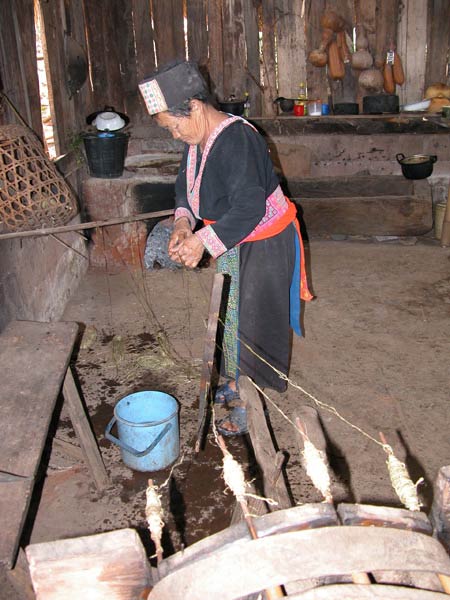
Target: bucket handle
(124,446)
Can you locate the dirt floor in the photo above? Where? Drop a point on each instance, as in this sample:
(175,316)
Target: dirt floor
(376,348)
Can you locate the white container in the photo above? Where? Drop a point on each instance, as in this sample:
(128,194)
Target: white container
(108,121)
(314,108)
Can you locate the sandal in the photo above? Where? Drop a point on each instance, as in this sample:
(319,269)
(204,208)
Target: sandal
(238,418)
(225,394)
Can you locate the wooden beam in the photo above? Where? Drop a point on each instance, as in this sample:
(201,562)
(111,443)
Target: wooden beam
(234,50)
(84,432)
(209,350)
(197,32)
(438,42)
(412,40)
(253,81)
(91,225)
(106,565)
(270,461)
(291,43)
(270,88)
(215,43)
(168,30)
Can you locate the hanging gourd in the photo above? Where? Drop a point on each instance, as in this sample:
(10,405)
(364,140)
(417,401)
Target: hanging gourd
(319,57)
(361,59)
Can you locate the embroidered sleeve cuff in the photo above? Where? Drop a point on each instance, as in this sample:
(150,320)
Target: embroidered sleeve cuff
(211,242)
(184,212)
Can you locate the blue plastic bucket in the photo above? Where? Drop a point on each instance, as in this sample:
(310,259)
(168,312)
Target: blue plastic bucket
(147,424)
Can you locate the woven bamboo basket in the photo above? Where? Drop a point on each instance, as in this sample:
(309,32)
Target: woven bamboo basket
(33,194)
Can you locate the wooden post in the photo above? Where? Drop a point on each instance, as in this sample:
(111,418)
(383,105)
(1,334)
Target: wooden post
(208,358)
(84,433)
(445,235)
(269,461)
(440,509)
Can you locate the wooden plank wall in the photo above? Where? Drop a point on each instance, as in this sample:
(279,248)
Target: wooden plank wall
(259,46)
(18,74)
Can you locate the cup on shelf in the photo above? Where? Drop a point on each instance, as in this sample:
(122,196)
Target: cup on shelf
(314,108)
(299,110)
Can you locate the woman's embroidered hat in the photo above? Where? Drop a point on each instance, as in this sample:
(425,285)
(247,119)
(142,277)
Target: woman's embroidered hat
(171,87)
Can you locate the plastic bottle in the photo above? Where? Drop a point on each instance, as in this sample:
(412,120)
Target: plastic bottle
(302,97)
(246,106)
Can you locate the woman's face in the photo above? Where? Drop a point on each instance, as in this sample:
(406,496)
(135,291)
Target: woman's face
(187,129)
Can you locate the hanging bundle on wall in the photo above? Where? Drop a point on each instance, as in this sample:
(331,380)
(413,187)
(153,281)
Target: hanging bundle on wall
(33,194)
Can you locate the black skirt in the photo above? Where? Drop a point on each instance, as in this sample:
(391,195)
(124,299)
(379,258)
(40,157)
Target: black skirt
(264,332)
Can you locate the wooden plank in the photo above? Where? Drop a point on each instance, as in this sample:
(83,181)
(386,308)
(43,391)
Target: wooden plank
(209,350)
(84,433)
(377,215)
(18,81)
(107,565)
(115,36)
(141,59)
(270,88)
(438,42)
(197,32)
(82,100)
(297,518)
(316,77)
(168,30)
(61,109)
(440,509)
(386,19)
(215,43)
(91,225)
(33,362)
(253,82)
(346,90)
(279,559)
(291,42)
(94,10)
(384,516)
(349,591)
(143,39)
(362,186)
(269,460)
(26,44)
(412,40)
(234,52)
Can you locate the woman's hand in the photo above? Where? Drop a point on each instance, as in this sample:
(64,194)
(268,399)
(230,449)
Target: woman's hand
(181,231)
(191,251)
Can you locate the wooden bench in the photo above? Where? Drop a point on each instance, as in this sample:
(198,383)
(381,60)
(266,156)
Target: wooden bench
(34,367)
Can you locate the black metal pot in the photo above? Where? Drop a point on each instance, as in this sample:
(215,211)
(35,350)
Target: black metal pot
(345,108)
(233,107)
(286,104)
(416,166)
(380,104)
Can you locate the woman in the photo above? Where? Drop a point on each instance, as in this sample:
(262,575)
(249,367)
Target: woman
(229,203)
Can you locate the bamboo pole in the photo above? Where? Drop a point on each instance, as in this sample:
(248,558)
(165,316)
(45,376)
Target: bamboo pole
(445,234)
(90,225)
